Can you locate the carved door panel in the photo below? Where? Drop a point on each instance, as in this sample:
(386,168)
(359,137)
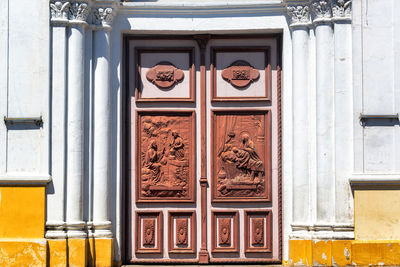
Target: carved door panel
(203,150)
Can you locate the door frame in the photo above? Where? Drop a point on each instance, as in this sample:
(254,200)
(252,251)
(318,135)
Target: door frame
(126,182)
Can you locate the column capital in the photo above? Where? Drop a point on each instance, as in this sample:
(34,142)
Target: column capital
(341,10)
(102,17)
(79,12)
(322,12)
(299,15)
(59,12)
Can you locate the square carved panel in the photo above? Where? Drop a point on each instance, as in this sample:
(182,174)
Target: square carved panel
(240,74)
(258,231)
(241,156)
(225,231)
(165,74)
(149,232)
(164,159)
(182,232)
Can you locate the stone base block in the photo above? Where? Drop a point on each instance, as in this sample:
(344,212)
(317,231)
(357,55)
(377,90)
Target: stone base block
(101,252)
(77,251)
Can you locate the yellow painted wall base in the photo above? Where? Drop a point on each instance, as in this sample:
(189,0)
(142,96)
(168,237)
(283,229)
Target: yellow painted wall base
(77,251)
(344,252)
(23,252)
(57,252)
(101,252)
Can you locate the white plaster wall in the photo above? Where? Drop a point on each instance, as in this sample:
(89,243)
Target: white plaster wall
(24,88)
(376,52)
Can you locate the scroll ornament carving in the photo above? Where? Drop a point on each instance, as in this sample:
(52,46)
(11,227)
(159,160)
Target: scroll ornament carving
(181,231)
(224,231)
(149,232)
(240,74)
(79,11)
(164,75)
(258,231)
(103,16)
(299,14)
(59,10)
(322,9)
(341,9)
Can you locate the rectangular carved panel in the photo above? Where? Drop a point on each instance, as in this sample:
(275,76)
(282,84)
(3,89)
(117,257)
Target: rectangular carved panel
(182,232)
(241,159)
(240,74)
(165,74)
(165,149)
(149,232)
(225,231)
(149,236)
(258,231)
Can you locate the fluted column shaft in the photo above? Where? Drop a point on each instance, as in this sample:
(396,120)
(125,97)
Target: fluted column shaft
(101,147)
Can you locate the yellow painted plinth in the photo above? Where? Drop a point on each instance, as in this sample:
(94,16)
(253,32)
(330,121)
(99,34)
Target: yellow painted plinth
(77,251)
(101,252)
(22,212)
(57,252)
(344,252)
(23,252)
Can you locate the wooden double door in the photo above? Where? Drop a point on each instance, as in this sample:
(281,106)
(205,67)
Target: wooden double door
(203,149)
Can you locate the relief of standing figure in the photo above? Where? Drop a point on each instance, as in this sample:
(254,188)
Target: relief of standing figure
(177,146)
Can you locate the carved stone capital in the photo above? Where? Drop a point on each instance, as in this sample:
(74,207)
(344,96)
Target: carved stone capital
(341,9)
(79,11)
(59,12)
(321,10)
(103,16)
(299,15)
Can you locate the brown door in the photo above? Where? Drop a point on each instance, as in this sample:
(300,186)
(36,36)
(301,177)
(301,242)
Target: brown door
(203,156)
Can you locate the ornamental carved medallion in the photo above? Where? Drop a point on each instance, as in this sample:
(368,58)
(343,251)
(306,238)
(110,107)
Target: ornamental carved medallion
(257,232)
(240,151)
(182,231)
(224,231)
(164,75)
(240,74)
(166,147)
(149,232)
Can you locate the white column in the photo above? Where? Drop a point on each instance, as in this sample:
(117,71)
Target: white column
(101,147)
(325,116)
(343,116)
(76,72)
(55,224)
(299,16)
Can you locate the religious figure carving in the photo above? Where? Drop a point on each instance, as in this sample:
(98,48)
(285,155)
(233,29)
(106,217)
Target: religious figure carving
(224,231)
(164,75)
(165,153)
(240,74)
(181,231)
(149,230)
(257,232)
(240,166)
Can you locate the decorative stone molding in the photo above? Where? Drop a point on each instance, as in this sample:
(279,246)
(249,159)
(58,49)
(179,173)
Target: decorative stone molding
(321,10)
(59,10)
(79,11)
(341,9)
(299,15)
(103,16)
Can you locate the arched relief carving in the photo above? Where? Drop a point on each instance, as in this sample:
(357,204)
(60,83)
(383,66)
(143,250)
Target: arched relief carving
(165,75)
(240,74)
